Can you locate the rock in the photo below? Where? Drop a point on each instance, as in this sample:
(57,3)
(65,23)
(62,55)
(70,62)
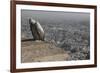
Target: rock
(39,51)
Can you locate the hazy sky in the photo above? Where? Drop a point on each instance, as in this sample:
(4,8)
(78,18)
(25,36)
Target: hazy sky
(54,17)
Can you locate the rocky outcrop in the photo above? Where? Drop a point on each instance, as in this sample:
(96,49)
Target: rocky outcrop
(39,51)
